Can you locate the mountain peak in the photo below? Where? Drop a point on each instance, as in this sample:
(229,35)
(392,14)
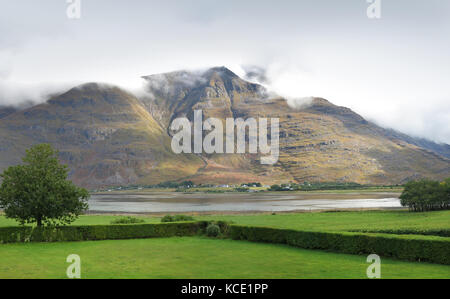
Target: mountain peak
(179,83)
(221,71)
(95,87)
(191,77)
(93,93)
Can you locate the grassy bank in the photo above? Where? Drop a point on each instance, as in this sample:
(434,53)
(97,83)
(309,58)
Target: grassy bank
(180,258)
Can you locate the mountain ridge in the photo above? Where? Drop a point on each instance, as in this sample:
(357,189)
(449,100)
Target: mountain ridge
(108,136)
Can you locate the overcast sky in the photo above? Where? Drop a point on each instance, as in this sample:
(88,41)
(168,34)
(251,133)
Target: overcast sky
(394,70)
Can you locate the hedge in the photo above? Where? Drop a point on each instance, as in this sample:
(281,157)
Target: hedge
(426,232)
(405,247)
(411,247)
(99,232)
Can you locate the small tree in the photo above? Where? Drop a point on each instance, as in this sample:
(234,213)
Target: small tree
(38,191)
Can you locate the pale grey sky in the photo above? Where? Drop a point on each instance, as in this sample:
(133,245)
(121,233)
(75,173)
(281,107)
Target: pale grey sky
(394,70)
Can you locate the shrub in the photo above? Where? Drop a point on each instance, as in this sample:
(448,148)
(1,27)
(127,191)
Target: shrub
(167,218)
(412,248)
(213,230)
(127,220)
(275,188)
(176,218)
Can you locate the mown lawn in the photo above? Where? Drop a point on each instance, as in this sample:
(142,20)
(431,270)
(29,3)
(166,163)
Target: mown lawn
(331,221)
(195,257)
(85,220)
(345,221)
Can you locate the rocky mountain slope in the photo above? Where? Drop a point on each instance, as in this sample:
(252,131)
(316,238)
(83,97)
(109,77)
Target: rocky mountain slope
(108,136)
(319,141)
(103,133)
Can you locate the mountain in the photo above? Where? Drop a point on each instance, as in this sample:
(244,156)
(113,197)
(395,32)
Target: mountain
(109,136)
(439,148)
(6,110)
(103,133)
(217,91)
(319,141)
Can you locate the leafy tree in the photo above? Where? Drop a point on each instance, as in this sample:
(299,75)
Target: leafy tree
(275,187)
(241,189)
(446,185)
(425,195)
(38,190)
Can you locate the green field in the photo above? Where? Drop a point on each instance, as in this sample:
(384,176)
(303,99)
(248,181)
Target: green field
(345,221)
(195,257)
(330,221)
(200,257)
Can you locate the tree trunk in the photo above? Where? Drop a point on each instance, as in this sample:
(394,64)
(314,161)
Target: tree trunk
(39,221)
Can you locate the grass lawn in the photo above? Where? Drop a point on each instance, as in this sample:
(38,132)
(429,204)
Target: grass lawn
(344,221)
(85,220)
(195,257)
(340,221)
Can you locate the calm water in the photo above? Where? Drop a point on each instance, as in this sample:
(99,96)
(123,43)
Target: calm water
(156,202)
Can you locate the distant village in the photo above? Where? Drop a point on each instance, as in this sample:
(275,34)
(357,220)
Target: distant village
(189,186)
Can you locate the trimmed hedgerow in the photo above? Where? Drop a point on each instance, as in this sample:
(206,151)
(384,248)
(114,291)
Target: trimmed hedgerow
(99,232)
(426,232)
(407,247)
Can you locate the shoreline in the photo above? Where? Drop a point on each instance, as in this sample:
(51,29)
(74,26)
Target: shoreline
(237,213)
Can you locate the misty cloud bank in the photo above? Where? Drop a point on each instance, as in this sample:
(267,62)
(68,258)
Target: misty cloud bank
(393,71)
(22,96)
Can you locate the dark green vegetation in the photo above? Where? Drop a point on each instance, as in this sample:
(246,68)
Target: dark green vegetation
(38,191)
(99,232)
(426,195)
(194,257)
(170,184)
(406,247)
(443,232)
(176,218)
(212,230)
